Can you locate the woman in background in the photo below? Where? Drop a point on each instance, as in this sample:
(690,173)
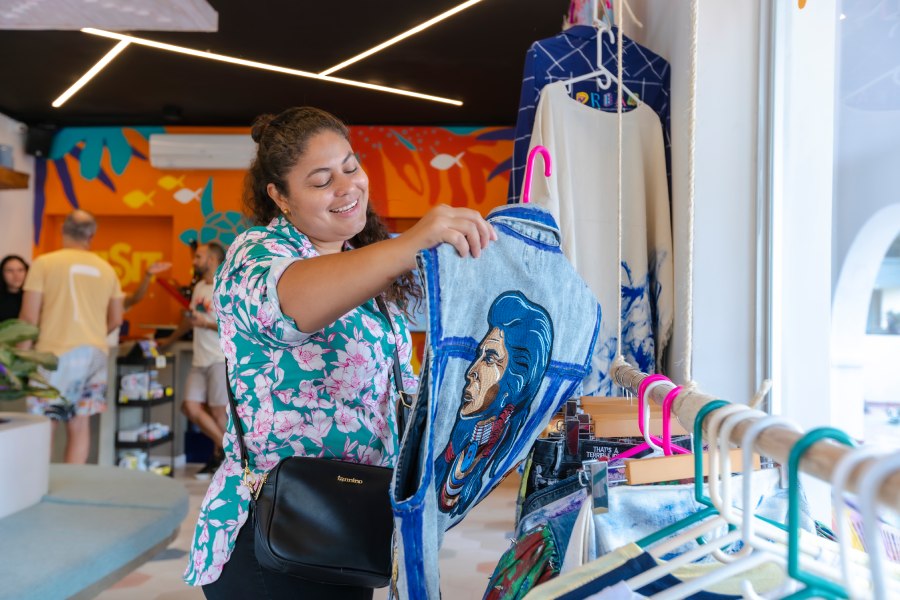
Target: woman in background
(13,268)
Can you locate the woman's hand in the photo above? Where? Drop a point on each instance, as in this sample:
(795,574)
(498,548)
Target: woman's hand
(463,228)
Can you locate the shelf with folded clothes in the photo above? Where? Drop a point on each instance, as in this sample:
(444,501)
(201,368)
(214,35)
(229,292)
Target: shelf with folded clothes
(168,396)
(144,396)
(145,444)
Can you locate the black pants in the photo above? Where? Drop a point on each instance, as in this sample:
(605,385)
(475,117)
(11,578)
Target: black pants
(242,578)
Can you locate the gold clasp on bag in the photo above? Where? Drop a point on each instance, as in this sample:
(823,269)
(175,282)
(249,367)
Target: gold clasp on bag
(253,483)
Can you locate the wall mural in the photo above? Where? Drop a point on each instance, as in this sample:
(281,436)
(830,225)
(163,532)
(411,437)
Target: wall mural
(146,214)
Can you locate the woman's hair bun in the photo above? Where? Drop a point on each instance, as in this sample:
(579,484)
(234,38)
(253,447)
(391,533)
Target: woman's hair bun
(259,126)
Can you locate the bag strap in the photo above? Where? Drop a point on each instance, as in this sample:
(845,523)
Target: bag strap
(398,375)
(239,427)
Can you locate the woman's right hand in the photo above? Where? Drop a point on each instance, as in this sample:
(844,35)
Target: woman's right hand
(464,228)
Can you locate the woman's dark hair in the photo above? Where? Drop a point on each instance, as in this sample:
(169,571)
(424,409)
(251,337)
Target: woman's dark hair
(6,259)
(281,140)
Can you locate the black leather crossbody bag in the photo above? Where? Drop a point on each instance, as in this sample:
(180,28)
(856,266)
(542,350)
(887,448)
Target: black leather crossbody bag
(325,520)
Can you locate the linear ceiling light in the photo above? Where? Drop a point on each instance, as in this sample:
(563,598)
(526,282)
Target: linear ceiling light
(265,66)
(402,36)
(91,73)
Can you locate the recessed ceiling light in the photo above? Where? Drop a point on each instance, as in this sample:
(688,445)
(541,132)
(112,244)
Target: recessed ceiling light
(265,66)
(402,36)
(91,73)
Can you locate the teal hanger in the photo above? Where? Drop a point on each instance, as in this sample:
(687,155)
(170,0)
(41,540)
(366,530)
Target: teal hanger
(815,585)
(710,510)
(698,449)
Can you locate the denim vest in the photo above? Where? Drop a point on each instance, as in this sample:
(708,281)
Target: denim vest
(510,337)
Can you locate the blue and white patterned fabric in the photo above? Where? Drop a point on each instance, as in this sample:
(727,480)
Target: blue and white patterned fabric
(582,195)
(510,337)
(573,53)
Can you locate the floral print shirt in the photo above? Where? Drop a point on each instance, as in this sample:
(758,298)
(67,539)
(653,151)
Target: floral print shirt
(328,394)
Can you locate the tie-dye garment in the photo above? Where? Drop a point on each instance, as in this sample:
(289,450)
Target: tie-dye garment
(329,394)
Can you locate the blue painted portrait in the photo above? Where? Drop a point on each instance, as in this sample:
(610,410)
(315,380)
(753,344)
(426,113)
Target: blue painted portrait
(501,381)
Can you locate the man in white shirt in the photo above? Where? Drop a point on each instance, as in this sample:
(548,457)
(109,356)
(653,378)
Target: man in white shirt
(205,400)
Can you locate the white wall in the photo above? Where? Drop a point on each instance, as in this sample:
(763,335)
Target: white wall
(803,157)
(724,256)
(16,206)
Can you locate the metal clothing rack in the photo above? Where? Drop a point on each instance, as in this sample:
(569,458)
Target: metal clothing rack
(775,441)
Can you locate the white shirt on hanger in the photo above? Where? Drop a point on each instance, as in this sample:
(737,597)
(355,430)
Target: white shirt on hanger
(582,194)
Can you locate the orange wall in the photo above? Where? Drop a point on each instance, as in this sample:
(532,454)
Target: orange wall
(146,214)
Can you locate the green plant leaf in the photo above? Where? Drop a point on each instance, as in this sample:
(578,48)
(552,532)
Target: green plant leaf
(13,331)
(44,359)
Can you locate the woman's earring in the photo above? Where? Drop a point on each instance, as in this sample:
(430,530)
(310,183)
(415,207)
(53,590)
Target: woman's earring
(286,211)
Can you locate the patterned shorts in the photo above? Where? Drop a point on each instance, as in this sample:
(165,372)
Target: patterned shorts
(81,380)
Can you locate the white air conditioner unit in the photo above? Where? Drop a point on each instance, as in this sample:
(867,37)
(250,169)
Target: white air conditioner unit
(192,151)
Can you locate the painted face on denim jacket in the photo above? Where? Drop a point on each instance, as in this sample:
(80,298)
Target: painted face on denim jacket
(485,374)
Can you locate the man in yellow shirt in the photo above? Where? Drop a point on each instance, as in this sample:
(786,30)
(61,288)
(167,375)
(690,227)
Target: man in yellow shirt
(74,297)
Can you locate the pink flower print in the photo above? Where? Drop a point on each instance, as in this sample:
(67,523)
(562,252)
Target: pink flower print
(318,427)
(276,248)
(346,383)
(265,315)
(242,491)
(379,426)
(262,387)
(369,401)
(262,423)
(229,350)
(267,461)
(287,424)
(356,354)
(204,535)
(372,326)
(221,551)
(199,560)
(284,396)
(369,455)
(345,418)
(245,413)
(230,468)
(309,356)
(308,396)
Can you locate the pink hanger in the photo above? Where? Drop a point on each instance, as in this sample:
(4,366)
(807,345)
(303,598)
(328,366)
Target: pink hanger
(667,419)
(642,388)
(529,167)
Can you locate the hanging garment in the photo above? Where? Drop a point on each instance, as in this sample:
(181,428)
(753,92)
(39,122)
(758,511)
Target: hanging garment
(573,53)
(510,338)
(531,560)
(631,560)
(640,510)
(581,194)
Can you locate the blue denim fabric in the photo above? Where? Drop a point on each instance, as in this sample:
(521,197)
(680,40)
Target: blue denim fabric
(551,493)
(558,516)
(510,338)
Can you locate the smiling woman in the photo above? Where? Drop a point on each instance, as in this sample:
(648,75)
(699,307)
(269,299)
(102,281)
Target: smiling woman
(309,352)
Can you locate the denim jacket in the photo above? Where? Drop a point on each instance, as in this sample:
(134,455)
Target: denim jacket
(510,337)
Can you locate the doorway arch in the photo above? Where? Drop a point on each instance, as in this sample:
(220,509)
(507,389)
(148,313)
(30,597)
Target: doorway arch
(850,309)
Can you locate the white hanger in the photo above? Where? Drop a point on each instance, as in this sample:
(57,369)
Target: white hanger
(642,579)
(839,480)
(724,447)
(868,492)
(603,76)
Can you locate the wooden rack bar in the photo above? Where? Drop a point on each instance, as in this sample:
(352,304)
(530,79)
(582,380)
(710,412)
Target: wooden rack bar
(775,441)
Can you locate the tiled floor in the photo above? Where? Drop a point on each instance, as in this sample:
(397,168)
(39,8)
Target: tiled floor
(468,556)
